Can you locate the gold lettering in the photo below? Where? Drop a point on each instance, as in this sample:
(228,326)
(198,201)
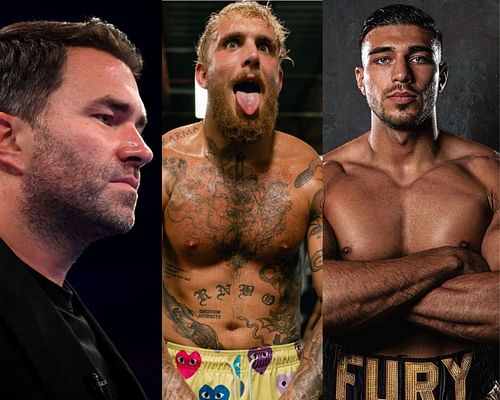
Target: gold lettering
(343,377)
(459,374)
(371,380)
(423,388)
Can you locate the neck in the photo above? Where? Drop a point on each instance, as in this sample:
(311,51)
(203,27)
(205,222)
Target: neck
(404,147)
(50,256)
(220,150)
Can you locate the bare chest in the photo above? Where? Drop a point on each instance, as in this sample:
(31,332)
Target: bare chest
(236,215)
(374,218)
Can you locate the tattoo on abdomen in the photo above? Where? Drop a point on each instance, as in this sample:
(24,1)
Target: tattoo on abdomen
(185,324)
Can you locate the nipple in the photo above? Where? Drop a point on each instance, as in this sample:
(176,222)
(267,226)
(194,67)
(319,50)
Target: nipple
(346,250)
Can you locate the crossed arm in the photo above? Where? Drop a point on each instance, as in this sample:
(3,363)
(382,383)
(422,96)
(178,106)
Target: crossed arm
(449,289)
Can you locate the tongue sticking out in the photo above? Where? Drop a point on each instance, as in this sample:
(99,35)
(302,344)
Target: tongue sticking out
(249,102)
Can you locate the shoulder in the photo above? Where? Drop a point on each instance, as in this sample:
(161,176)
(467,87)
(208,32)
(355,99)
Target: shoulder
(482,162)
(343,158)
(289,146)
(181,137)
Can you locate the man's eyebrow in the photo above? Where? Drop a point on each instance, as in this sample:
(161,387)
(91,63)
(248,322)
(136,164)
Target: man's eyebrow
(121,106)
(380,49)
(417,48)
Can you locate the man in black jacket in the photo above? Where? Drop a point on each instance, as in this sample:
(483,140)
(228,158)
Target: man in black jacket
(70,152)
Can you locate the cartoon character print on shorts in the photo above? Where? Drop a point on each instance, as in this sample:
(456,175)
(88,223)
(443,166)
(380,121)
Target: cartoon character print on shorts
(282,381)
(220,392)
(187,364)
(262,357)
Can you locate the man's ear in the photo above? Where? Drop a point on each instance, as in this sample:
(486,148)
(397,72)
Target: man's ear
(443,76)
(360,79)
(12,154)
(200,73)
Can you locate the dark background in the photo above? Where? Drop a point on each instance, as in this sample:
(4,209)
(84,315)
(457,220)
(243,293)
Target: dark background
(119,278)
(469,104)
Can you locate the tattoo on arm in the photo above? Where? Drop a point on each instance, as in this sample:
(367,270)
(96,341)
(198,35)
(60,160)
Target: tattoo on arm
(306,175)
(185,324)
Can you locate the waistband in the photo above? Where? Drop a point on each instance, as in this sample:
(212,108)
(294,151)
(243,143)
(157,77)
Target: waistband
(464,375)
(269,356)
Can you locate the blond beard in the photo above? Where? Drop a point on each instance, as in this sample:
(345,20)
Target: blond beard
(242,129)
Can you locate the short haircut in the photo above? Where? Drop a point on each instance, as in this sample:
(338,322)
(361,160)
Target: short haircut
(33,56)
(400,14)
(248,9)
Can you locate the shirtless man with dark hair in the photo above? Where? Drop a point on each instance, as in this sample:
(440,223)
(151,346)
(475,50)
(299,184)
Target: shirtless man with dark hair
(239,198)
(412,230)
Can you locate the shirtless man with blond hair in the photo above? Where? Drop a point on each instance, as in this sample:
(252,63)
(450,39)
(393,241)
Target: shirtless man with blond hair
(412,230)
(239,198)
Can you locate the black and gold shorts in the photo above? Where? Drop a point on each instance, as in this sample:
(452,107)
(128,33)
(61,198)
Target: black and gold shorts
(467,375)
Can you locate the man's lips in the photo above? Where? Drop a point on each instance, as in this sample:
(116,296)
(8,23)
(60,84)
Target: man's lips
(402,96)
(128,180)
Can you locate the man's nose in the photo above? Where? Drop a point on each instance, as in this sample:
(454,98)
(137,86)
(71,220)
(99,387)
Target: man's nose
(401,71)
(133,149)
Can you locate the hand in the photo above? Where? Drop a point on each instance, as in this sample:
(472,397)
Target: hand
(470,261)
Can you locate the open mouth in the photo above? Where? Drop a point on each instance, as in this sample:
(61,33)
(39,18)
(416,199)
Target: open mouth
(247,87)
(247,96)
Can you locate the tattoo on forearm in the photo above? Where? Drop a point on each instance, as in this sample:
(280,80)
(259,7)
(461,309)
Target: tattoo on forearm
(306,175)
(185,324)
(316,217)
(202,296)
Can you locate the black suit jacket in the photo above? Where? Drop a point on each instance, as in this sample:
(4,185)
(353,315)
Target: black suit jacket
(40,357)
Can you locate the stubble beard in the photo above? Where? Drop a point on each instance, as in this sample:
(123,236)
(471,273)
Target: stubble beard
(403,119)
(242,129)
(64,196)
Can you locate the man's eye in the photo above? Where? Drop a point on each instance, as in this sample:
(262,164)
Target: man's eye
(232,44)
(419,60)
(265,48)
(382,60)
(104,118)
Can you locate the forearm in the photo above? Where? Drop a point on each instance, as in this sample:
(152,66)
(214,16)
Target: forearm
(174,387)
(466,307)
(307,383)
(357,293)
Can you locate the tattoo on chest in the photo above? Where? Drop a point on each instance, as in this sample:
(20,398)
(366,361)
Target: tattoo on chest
(224,201)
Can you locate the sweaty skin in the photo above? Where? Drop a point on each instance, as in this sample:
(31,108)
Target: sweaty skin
(412,220)
(239,198)
(232,231)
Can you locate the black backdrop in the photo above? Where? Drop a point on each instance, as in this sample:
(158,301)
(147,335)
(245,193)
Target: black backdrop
(119,278)
(469,104)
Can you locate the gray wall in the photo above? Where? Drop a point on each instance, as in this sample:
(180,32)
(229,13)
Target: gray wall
(469,104)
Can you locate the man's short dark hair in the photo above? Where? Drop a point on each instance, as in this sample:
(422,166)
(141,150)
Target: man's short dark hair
(33,55)
(400,14)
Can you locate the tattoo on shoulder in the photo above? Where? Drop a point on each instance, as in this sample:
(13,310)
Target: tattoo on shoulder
(180,134)
(306,175)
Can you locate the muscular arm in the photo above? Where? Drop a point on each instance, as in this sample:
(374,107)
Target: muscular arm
(467,306)
(357,293)
(307,381)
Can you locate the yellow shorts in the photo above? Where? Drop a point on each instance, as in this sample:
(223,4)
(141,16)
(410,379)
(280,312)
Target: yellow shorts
(254,374)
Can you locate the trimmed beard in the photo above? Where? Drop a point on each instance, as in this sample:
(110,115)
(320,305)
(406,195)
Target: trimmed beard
(242,129)
(400,120)
(64,195)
